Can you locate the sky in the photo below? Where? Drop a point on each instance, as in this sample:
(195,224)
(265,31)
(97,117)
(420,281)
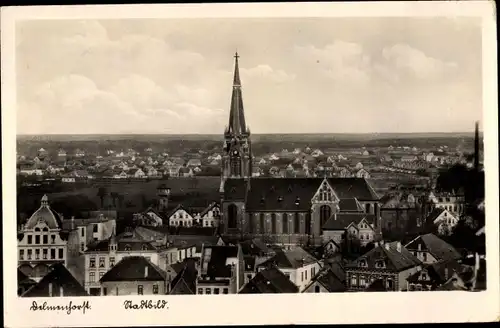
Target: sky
(299,75)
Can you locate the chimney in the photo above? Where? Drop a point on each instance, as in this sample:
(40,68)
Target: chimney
(387,246)
(145,271)
(61,292)
(446,274)
(398,246)
(50,289)
(72,223)
(376,244)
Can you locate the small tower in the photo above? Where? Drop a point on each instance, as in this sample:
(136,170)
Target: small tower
(113,245)
(163,193)
(45,201)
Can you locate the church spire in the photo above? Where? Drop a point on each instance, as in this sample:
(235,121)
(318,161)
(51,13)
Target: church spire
(476,147)
(237,124)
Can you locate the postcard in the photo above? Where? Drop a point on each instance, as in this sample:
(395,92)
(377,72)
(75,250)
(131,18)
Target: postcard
(217,164)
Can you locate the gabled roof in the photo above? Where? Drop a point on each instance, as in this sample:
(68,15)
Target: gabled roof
(295,258)
(270,280)
(439,272)
(208,208)
(23,279)
(123,241)
(134,268)
(436,212)
(394,260)
(185,281)
(350,205)
(327,278)
(256,247)
(282,194)
(58,276)
(343,220)
(439,249)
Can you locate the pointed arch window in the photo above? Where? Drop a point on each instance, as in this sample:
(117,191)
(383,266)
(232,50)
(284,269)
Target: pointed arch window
(285,223)
(324,214)
(296,223)
(308,223)
(325,193)
(261,223)
(232,216)
(273,223)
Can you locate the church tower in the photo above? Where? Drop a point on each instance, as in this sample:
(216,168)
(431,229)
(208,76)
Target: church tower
(237,154)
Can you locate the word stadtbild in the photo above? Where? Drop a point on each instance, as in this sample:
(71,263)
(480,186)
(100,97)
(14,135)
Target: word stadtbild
(146,305)
(67,307)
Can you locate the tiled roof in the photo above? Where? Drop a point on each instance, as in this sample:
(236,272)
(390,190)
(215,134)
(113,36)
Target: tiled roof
(45,212)
(255,246)
(134,268)
(437,271)
(23,279)
(58,276)
(124,240)
(208,208)
(451,285)
(329,280)
(376,286)
(394,260)
(249,263)
(217,267)
(185,281)
(281,194)
(270,280)
(343,220)
(440,249)
(350,205)
(434,214)
(295,258)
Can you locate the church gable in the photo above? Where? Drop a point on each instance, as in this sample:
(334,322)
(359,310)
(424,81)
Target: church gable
(325,193)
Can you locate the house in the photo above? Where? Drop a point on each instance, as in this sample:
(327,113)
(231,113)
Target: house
(452,202)
(317,153)
(194,162)
(443,220)
(134,275)
(185,172)
(221,270)
(86,231)
(429,157)
(365,153)
(103,255)
(436,274)
(359,226)
(61,153)
(390,262)
(362,173)
(152,172)
(267,281)
(180,217)
(409,158)
(297,264)
(121,175)
(149,217)
(68,179)
(136,173)
(58,282)
(429,248)
(210,216)
(42,242)
(79,153)
(330,279)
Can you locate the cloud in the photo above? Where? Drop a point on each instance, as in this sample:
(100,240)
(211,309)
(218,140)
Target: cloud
(404,58)
(340,61)
(268,73)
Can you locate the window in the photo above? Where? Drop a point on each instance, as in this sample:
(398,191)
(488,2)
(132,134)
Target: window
(324,214)
(285,223)
(273,223)
(37,239)
(101,274)
(362,281)
(200,291)
(232,216)
(312,271)
(30,239)
(92,277)
(111,261)
(354,281)
(140,290)
(53,239)
(424,256)
(225,291)
(287,275)
(52,254)
(144,247)
(82,230)
(305,273)
(82,247)
(127,247)
(216,291)
(389,284)
(308,223)
(37,254)
(367,208)
(208,291)
(316,289)
(249,277)
(155,289)
(102,262)
(45,239)
(61,253)
(302,276)
(296,223)
(29,254)
(362,263)
(21,254)
(261,223)
(95,228)
(380,264)
(92,262)
(423,276)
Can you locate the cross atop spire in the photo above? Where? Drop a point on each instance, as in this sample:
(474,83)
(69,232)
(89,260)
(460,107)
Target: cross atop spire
(236,81)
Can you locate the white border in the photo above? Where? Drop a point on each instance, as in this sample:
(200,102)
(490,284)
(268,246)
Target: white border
(260,309)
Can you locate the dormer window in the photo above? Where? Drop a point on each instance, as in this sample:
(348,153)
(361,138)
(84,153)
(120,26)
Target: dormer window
(380,264)
(127,247)
(280,199)
(297,201)
(362,263)
(144,247)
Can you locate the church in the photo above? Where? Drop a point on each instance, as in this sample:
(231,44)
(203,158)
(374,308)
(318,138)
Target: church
(287,211)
